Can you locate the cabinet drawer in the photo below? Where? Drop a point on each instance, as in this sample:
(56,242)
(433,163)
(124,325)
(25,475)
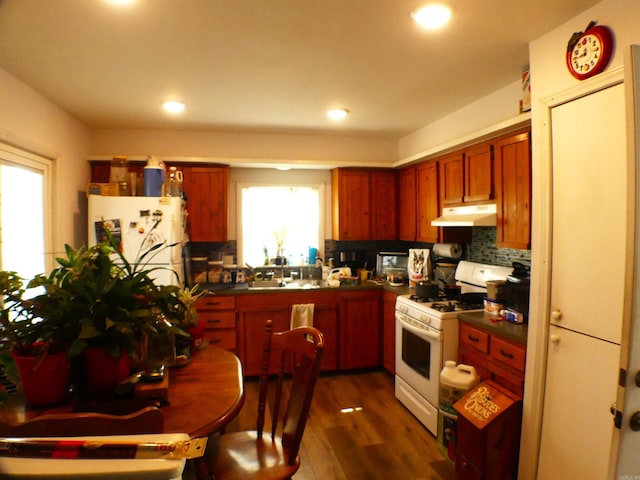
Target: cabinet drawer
(474,337)
(213,320)
(508,353)
(222,338)
(216,303)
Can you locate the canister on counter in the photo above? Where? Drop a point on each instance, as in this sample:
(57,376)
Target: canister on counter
(198,270)
(215,271)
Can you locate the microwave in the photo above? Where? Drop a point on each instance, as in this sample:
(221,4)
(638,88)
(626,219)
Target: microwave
(391,261)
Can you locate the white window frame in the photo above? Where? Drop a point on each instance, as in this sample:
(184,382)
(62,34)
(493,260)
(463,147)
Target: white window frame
(11,155)
(321,187)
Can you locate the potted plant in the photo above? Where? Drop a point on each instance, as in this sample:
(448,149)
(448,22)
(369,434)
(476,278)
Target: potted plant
(96,304)
(38,350)
(188,298)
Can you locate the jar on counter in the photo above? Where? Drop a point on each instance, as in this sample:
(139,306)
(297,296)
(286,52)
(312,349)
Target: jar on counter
(199,269)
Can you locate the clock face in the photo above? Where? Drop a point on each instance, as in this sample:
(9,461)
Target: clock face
(591,53)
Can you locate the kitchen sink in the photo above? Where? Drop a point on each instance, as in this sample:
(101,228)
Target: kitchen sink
(279,284)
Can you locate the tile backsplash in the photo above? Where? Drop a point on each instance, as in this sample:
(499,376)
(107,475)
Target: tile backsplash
(482,249)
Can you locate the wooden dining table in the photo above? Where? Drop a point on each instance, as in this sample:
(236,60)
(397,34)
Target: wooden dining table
(202,396)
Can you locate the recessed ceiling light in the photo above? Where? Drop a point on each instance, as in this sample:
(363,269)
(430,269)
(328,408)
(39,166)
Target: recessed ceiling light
(432,16)
(337,113)
(173,107)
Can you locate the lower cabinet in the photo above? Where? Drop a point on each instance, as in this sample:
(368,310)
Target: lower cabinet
(389,331)
(254,311)
(219,316)
(491,453)
(359,329)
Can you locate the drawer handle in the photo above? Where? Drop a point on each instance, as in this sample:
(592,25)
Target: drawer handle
(215,340)
(473,339)
(217,320)
(212,304)
(506,354)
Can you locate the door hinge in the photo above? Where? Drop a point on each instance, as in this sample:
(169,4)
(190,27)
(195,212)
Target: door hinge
(617,415)
(622,378)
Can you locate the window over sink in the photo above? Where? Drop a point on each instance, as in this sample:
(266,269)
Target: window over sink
(279,220)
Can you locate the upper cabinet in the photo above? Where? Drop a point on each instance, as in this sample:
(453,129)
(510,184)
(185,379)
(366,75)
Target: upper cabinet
(427,201)
(363,204)
(207,192)
(513,190)
(407,204)
(467,176)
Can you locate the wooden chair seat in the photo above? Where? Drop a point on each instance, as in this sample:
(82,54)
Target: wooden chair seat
(243,455)
(290,368)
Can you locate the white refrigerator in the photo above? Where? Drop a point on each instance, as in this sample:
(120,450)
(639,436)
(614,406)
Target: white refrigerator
(139,224)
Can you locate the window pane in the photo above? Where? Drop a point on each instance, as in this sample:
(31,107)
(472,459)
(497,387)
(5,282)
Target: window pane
(22,220)
(289,216)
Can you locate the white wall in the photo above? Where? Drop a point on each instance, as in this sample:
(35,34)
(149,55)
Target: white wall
(486,117)
(31,122)
(550,77)
(251,149)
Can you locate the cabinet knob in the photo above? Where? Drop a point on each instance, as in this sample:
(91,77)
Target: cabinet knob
(554,338)
(556,315)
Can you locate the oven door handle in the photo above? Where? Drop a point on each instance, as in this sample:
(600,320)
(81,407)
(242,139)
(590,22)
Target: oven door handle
(419,331)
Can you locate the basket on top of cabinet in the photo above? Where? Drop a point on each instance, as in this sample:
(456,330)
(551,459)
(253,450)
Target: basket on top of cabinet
(219,317)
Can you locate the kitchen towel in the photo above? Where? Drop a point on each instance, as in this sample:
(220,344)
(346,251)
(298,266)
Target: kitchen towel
(302,315)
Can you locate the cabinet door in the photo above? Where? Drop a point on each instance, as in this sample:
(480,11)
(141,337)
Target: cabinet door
(207,192)
(513,191)
(389,331)
(451,179)
(407,211)
(359,329)
(252,325)
(383,205)
(350,204)
(325,319)
(478,173)
(427,187)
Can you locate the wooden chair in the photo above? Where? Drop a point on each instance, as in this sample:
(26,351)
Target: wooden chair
(145,420)
(264,455)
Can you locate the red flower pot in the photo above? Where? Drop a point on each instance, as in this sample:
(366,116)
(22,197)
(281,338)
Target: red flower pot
(46,384)
(104,372)
(197,334)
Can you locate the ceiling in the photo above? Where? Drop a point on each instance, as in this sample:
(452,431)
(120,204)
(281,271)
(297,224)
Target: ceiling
(269,65)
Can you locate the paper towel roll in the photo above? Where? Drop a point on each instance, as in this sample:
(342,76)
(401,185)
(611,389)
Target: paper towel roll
(448,250)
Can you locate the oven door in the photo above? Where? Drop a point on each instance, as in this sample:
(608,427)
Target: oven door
(419,356)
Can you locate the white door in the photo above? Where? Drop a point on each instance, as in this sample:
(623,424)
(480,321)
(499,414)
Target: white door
(628,401)
(577,427)
(589,213)
(589,238)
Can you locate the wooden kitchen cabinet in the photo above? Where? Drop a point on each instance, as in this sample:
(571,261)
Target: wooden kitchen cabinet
(407,204)
(363,203)
(350,204)
(255,309)
(513,191)
(383,194)
(467,176)
(359,329)
(494,357)
(389,331)
(207,192)
(427,201)
(219,316)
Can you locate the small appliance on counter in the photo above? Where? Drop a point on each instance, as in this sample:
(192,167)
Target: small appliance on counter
(514,294)
(391,263)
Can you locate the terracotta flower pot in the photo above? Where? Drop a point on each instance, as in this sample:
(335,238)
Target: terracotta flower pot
(103,371)
(46,384)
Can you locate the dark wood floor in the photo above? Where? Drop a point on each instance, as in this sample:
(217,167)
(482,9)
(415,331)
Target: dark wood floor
(382,440)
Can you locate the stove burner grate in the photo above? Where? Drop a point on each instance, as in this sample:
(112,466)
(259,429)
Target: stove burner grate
(443,306)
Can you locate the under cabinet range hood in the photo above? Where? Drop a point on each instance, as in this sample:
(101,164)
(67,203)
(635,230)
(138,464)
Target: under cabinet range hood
(467,216)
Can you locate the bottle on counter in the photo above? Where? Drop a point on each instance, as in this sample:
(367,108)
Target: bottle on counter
(174,184)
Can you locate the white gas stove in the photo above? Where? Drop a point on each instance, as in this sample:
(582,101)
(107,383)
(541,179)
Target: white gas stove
(427,336)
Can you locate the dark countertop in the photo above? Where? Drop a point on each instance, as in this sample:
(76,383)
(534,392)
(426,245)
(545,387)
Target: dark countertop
(243,288)
(511,331)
